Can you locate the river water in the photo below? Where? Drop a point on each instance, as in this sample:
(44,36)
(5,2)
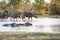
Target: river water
(46,24)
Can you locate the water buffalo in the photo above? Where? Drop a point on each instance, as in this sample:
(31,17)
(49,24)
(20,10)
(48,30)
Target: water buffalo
(3,16)
(14,16)
(29,15)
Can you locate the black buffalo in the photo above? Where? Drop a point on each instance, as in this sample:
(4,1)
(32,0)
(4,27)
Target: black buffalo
(14,16)
(3,16)
(29,15)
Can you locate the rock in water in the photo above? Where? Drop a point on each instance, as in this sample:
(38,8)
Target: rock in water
(20,24)
(28,24)
(13,25)
(6,25)
(17,25)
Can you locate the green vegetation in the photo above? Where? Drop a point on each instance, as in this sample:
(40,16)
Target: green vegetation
(39,7)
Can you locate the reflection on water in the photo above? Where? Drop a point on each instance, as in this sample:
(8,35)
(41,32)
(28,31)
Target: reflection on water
(38,25)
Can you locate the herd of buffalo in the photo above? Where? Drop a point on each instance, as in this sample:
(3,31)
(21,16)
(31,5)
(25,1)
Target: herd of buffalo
(14,16)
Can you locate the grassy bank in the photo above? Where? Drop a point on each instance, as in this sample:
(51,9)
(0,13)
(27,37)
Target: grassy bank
(29,36)
(50,16)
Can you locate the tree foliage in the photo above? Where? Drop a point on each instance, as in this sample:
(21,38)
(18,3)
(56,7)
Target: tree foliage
(15,2)
(38,7)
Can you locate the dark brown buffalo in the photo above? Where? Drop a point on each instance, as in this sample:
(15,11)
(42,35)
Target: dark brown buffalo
(3,16)
(14,16)
(29,15)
